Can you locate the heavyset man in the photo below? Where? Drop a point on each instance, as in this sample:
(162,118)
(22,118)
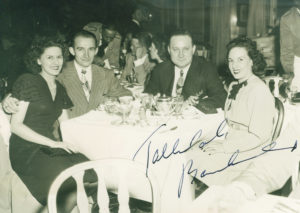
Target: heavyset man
(187,75)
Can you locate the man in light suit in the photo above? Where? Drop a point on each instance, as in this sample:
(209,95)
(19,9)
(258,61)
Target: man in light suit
(109,42)
(138,62)
(290,45)
(100,82)
(199,82)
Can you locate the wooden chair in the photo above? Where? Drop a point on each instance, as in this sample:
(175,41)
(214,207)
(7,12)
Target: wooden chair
(279,121)
(77,172)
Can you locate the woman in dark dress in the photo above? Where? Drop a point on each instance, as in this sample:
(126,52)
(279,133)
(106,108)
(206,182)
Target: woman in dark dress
(35,155)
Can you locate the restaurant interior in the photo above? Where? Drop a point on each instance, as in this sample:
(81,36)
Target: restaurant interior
(212,24)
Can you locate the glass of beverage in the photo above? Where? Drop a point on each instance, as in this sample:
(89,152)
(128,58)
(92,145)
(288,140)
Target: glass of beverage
(124,108)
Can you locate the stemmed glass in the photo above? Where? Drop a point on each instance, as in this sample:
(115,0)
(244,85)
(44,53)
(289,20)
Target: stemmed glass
(146,106)
(147,101)
(124,108)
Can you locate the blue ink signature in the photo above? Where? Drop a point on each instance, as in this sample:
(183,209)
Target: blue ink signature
(165,153)
(232,162)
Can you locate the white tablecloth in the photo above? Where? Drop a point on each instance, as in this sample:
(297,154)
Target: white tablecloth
(96,137)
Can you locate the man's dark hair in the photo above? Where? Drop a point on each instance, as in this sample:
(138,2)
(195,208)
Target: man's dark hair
(180,32)
(85,34)
(109,26)
(144,39)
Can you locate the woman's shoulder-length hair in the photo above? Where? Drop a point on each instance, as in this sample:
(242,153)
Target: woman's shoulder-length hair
(38,46)
(257,57)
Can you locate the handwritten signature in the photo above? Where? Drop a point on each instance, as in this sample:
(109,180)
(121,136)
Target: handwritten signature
(231,162)
(187,168)
(165,153)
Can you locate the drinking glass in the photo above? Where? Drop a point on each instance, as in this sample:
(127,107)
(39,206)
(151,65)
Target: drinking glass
(110,105)
(178,105)
(147,101)
(124,108)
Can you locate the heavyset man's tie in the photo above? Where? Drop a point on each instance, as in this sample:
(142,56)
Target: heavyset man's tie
(180,83)
(85,85)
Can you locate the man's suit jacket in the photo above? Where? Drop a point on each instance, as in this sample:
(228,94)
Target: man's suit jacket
(103,84)
(201,76)
(112,53)
(142,71)
(289,38)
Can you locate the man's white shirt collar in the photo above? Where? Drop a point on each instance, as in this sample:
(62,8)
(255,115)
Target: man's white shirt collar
(88,70)
(185,70)
(140,61)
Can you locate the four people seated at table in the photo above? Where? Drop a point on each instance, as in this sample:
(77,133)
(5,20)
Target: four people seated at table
(82,86)
(35,155)
(189,76)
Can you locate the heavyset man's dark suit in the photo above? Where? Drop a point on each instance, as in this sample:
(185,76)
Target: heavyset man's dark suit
(201,76)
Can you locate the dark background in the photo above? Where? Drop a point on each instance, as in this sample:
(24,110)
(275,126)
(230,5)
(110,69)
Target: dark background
(20,20)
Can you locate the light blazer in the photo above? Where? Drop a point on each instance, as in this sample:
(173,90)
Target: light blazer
(289,38)
(201,76)
(141,71)
(104,83)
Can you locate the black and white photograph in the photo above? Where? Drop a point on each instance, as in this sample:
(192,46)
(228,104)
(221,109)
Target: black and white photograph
(141,106)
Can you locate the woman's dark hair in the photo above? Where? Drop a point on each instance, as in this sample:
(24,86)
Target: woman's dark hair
(257,58)
(161,45)
(38,46)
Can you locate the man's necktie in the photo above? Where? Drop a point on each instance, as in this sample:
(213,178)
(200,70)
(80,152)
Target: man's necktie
(180,83)
(85,85)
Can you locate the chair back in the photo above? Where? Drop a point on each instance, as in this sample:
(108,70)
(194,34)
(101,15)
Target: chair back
(274,83)
(77,172)
(279,121)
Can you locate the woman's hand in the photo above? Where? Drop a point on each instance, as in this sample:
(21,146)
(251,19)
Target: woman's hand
(10,104)
(68,147)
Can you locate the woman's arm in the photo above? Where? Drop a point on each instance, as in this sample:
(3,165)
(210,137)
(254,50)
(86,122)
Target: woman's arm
(23,131)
